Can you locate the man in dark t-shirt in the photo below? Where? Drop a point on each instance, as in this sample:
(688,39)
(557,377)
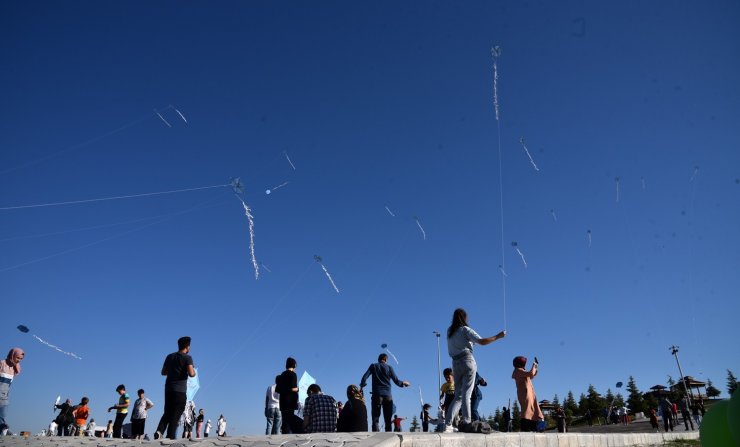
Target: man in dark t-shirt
(178,366)
(287,388)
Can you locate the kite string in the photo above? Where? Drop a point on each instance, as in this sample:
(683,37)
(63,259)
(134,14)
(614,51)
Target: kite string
(101,199)
(501,203)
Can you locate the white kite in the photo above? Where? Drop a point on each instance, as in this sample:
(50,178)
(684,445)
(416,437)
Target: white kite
(385,346)
(162,118)
(521,255)
(418,224)
(250,219)
(270,191)
(531,160)
(318,259)
(495,53)
(288,158)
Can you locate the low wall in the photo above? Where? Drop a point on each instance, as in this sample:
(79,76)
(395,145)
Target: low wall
(539,440)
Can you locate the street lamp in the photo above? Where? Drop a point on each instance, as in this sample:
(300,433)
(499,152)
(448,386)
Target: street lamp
(439,365)
(687,390)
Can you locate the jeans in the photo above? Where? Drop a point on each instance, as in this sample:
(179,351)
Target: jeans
(273,420)
(174,405)
(474,403)
(118,425)
(386,404)
(463,370)
(3,424)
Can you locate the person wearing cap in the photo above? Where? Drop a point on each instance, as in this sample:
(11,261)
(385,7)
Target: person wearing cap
(530,409)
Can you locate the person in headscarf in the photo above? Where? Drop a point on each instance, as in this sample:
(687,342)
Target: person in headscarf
(353,417)
(531,412)
(9,368)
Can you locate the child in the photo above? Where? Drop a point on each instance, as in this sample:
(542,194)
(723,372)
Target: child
(80,413)
(109,429)
(448,389)
(531,412)
(654,420)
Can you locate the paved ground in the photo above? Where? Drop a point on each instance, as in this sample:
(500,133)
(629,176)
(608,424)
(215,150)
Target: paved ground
(641,426)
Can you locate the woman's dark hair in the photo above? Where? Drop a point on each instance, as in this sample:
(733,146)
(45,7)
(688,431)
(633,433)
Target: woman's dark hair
(520,361)
(459,319)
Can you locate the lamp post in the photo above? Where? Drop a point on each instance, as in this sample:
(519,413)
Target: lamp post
(687,390)
(439,365)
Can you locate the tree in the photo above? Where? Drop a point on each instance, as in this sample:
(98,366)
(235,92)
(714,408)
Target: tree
(595,401)
(414,424)
(619,401)
(516,414)
(675,392)
(582,404)
(556,401)
(711,390)
(609,398)
(571,408)
(635,401)
(731,382)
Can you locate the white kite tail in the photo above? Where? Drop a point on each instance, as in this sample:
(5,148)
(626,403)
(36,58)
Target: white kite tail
(531,160)
(71,354)
(289,161)
(181,115)
(394,357)
(250,219)
(162,118)
(522,256)
(423,233)
(328,275)
(495,89)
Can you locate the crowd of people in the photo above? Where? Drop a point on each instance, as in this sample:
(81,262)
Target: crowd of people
(460,397)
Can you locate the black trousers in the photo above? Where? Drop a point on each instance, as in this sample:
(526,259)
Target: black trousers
(118,425)
(386,404)
(174,405)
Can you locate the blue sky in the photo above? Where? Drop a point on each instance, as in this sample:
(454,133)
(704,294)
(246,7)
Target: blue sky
(376,104)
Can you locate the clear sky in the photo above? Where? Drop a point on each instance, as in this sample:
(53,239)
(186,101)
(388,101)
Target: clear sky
(376,104)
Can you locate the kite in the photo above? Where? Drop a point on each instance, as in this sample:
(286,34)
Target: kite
(179,113)
(385,346)
(495,53)
(303,384)
(318,259)
(501,269)
(389,211)
(531,160)
(236,186)
(270,191)
(288,158)
(554,216)
(588,236)
(59,399)
(616,181)
(516,247)
(193,385)
(25,330)
(162,118)
(250,219)
(693,176)
(418,224)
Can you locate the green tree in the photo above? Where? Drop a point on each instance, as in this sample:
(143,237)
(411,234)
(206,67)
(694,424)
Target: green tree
(675,392)
(415,424)
(635,401)
(711,390)
(595,401)
(516,415)
(731,382)
(619,401)
(571,408)
(582,404)
(556,401)
(609,396)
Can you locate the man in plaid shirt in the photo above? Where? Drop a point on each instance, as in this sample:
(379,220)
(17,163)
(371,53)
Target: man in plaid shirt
(320,412)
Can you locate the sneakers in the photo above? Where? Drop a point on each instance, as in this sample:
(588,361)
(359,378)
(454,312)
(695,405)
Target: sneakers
(157,435)
(450,429)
